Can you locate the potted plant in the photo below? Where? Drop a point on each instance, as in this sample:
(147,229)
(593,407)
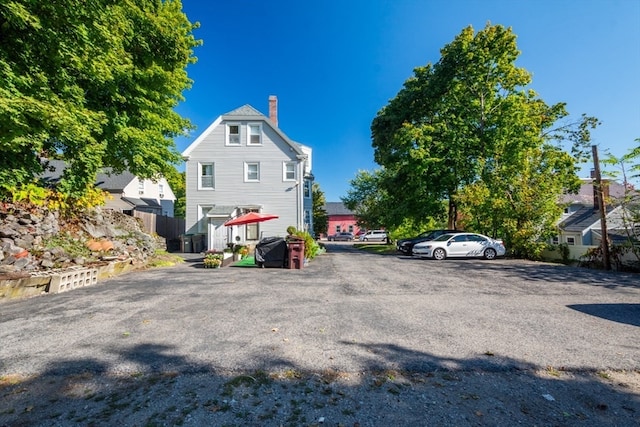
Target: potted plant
(213,260)
(244,251)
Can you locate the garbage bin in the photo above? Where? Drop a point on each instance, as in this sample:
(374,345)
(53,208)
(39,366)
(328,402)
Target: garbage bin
(271,252)
(295,248)
(185,243)
(198,243)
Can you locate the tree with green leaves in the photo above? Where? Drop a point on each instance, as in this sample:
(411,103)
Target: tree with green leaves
(178,182)
(93,83)
(375,207)
(320,217)
(627,168)
(368,200)
(468,132)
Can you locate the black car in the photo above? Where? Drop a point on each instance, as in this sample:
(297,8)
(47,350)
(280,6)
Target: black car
(406,245)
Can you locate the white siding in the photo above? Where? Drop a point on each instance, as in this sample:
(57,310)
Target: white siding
(151,190)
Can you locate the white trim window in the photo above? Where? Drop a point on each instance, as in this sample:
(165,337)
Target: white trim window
(289,171)
(307,189)
(206,176)
(254,134)
(252,231)
(232,131)
(571,241)
(140,186)
(252,172)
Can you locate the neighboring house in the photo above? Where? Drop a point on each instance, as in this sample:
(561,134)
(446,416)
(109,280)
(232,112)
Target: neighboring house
(127,193)
(580,222)
(340,218)
(244,163)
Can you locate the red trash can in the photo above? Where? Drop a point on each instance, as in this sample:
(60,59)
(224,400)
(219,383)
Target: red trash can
(296,253)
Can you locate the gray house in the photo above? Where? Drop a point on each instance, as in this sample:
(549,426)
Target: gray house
(127,193)
(244,163)
(580,223)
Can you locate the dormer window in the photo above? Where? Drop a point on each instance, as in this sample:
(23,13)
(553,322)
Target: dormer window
(254,134)
(233,134)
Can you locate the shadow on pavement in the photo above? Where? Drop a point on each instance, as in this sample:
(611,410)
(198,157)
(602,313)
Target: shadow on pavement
(621,313)
(400,386)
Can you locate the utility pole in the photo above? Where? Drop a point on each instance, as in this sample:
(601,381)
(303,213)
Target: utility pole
(602,207)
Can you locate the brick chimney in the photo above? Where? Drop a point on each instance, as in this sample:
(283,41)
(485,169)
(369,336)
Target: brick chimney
(273,109)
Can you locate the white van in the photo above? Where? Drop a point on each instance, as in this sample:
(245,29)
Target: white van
(374,235)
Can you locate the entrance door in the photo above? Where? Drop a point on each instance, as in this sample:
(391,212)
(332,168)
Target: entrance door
(217,234)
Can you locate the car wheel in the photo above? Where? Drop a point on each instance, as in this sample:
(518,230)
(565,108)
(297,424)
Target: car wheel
(439,254)
(490,253)
(365,240)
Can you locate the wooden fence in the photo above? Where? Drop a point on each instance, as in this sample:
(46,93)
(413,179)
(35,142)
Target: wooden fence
(168,227)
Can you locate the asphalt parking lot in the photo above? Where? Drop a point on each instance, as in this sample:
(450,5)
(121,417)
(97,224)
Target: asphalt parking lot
(347,311)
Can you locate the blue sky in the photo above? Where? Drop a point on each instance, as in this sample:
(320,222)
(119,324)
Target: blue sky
(333,64)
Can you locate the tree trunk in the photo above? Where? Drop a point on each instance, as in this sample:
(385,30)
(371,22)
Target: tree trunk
(453,215)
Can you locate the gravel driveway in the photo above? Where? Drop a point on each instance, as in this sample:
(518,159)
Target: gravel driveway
(353,339)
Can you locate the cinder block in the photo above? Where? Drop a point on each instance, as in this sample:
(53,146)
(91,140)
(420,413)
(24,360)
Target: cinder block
(73,279)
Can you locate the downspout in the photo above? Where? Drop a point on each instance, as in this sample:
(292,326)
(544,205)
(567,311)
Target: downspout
(300,193)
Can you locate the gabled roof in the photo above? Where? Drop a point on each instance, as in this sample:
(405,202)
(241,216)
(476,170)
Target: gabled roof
(582,219)
(337,208)
(105,180)
(144,202)
(113,182)
(620,235)
(246,112)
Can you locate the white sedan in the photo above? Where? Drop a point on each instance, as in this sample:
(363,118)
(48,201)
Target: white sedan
(460,245)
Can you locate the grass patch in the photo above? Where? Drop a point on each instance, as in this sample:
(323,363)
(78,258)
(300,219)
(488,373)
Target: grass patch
(376,249)
(164,259)
(553,371)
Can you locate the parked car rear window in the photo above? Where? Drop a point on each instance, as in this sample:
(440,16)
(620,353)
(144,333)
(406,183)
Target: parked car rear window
(443,238)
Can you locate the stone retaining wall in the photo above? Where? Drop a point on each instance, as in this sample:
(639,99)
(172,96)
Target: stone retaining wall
(42,252)
(33,239)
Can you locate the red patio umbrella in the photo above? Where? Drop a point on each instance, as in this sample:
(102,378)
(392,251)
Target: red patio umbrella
(250,218)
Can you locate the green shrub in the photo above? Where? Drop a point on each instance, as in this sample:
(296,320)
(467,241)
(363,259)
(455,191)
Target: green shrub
(311,247)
